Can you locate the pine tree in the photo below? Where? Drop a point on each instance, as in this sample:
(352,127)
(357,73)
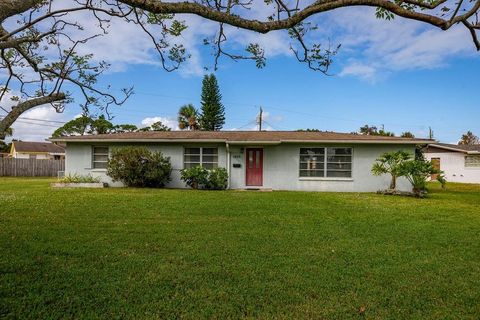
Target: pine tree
(213,111)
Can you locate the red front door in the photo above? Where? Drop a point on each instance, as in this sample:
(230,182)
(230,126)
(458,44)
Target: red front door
(254,167)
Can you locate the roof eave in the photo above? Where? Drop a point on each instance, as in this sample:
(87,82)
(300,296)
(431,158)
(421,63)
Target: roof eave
(139,140)
(275,142)
(354,141)
(449,148)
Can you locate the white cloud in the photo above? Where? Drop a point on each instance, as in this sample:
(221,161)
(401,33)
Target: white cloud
(374,47)
(28,129)
(360,70)
(169,122)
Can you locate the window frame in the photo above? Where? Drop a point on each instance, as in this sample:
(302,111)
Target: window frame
(201,162)
(325,164)
(99,154)
(469,166)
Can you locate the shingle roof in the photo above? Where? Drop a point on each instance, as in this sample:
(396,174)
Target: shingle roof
(458,147)
(27,146)
(242,136)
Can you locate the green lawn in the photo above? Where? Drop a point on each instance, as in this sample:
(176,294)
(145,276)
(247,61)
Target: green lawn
(145,253)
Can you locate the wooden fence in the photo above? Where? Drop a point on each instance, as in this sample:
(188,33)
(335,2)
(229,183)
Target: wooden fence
(10,167)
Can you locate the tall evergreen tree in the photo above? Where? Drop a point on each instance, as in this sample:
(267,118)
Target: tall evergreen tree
(213,111)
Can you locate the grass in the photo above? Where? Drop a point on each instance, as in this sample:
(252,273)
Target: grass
(145,253)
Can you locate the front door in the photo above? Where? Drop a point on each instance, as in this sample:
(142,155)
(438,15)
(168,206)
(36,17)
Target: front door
(254,167)
(436,166)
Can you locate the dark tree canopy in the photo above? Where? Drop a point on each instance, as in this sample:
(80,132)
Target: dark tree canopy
(374,131)
(40,41)
(213,111)
(87,125)
(469,138)
(407,134)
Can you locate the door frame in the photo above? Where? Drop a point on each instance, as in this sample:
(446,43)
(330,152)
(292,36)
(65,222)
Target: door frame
(261,165)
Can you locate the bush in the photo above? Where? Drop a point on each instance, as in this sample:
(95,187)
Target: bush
(139,167)
(217,179)
(77,178)
(201,178)
(195,177)
(417,172)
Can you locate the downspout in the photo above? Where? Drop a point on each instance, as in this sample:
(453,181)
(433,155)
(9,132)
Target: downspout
(228,164)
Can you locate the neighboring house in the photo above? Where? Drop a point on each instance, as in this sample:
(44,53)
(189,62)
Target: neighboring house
(460,163)
(36,150)
(279,160)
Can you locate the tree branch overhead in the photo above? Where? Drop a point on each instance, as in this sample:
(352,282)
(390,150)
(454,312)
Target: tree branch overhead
(34,74)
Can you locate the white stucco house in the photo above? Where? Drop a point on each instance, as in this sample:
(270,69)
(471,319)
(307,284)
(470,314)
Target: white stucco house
(278,160)
(460,163)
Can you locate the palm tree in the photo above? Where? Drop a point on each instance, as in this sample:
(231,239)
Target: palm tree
(188,117)
(392,163)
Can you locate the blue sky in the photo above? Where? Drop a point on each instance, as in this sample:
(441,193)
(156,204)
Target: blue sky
(400,74)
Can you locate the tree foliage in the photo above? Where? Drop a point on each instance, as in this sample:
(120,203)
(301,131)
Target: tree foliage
(213,111)
(156,126)
(87,125)
(417,172)
(308,130)
(41,41)
(407,134)
(139,167)
(391,163)
(469,139)
(188,117)
(78,126)
(120,128)
(374,131)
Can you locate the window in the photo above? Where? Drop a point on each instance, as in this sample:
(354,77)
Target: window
(326,162)
(100,157)
(339,162)
(312,162)
(205,157)
(472,161)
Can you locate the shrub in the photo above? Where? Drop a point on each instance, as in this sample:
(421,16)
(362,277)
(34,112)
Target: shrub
(201,178)
(417,172)
(195,177)
(139,167)
(217,179)
(77,178)
(391,162)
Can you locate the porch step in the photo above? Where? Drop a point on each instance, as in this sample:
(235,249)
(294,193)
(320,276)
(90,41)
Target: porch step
(258,189)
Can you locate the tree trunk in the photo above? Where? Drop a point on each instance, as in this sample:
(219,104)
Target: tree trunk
(393,183)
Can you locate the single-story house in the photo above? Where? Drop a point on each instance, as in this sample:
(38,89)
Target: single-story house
(278,160)
(460,163)
(36,150)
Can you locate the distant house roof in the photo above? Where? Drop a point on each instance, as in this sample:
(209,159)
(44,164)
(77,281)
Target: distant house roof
(238,137)
(37,147)
(465,148)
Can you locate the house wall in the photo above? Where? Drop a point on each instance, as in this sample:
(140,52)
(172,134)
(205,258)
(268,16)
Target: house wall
(39,156)
(280,166)
(281,169)
(78,160)
(453,164)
